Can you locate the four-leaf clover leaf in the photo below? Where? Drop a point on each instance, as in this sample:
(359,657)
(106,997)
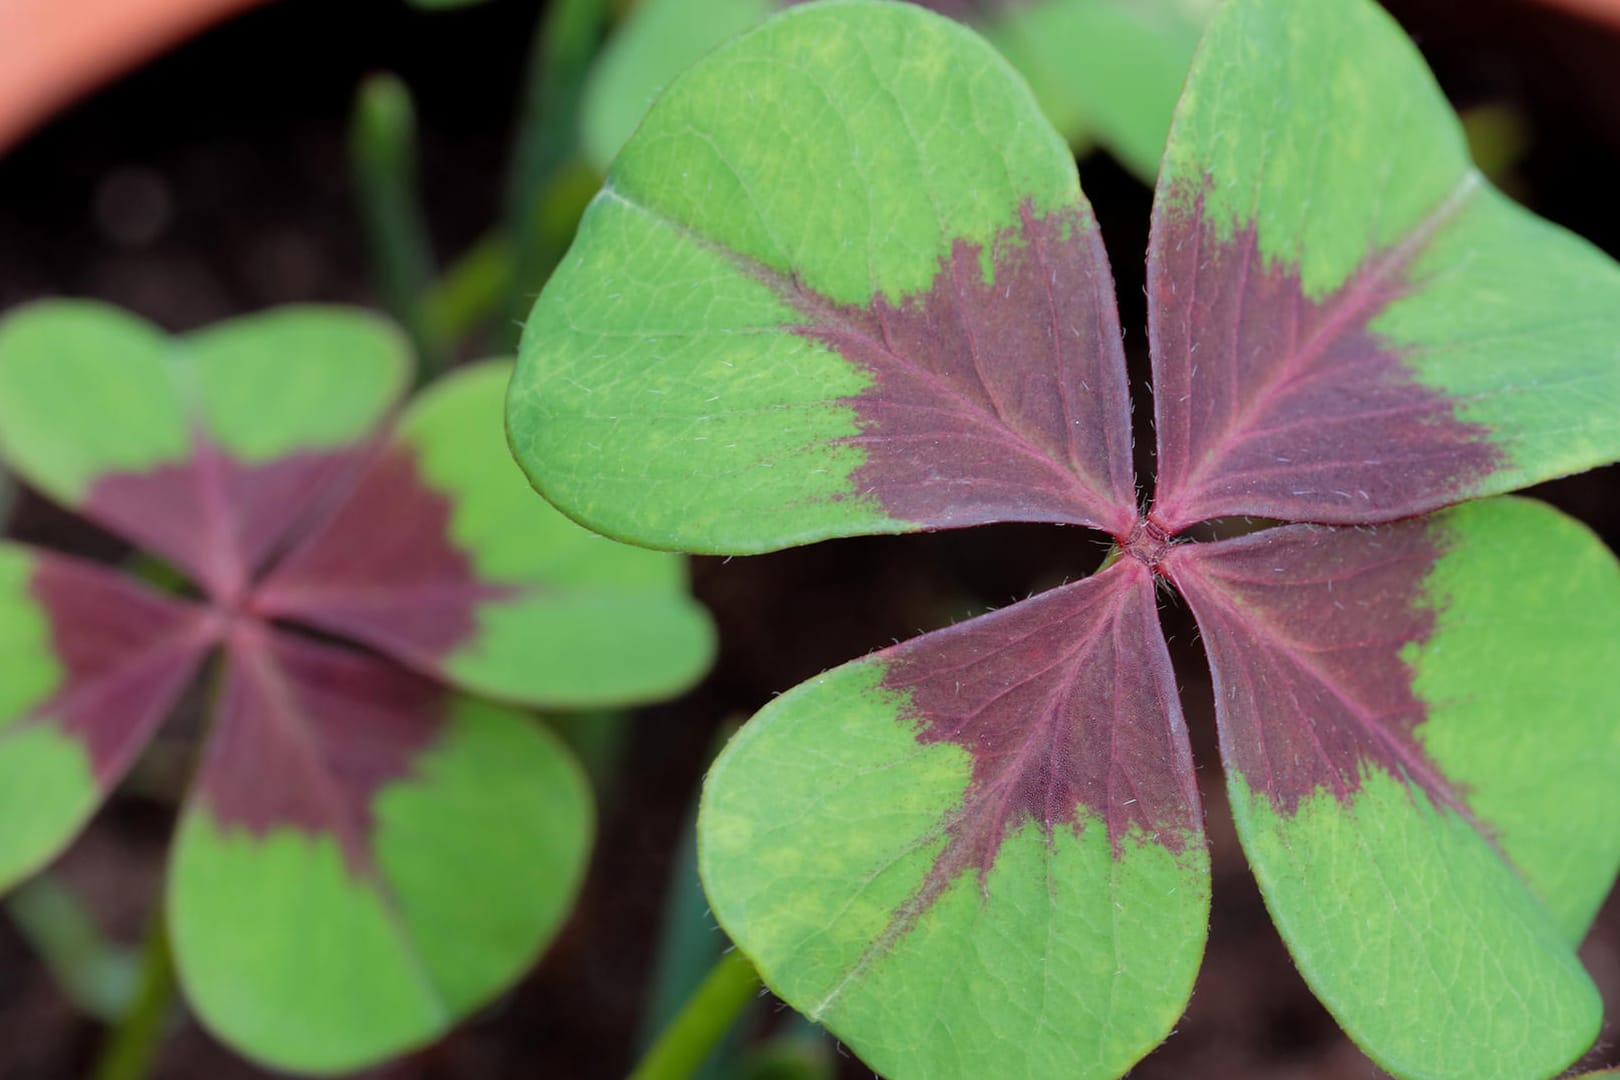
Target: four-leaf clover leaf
(843,281)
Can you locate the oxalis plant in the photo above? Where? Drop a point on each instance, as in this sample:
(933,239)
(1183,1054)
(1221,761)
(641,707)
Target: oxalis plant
(375,842)
(843,281)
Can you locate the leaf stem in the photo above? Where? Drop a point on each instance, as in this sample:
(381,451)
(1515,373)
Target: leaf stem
(383,158)
(95,974)
(547,140)
(688,945)
(599,740)
(133,1042)
(470,289)
(708,1014)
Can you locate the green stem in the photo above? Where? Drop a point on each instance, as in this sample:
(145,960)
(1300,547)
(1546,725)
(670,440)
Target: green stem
(708,1014)
(95,974)
(382,153)
(687,944)
(470,290)
(133,1042)
(598,740)
(547,141)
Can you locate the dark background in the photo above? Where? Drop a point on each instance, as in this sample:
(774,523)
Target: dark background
(213,182)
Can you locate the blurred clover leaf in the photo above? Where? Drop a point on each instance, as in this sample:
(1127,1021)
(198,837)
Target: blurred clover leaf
(376,840)
(1104,71)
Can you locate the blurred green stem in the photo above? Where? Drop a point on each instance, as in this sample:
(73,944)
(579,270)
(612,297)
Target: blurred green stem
(1499,137)
(133,1042)
(547,141)
(689,944)
(799,1050)
(708,1014)
(599,741)
(471,290)
(383,157)
(96,975)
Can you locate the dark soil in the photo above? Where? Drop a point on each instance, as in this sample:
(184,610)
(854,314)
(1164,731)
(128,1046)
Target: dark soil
(214,183)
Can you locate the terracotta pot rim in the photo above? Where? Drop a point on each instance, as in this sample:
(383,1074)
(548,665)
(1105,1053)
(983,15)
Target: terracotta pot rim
(54,51)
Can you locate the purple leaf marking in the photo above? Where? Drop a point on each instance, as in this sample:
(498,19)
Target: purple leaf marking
(306,734)
(216,517)
(127,654)
(994,401)
(382,569)
(1067,704)
(1273,404)
(1305,628)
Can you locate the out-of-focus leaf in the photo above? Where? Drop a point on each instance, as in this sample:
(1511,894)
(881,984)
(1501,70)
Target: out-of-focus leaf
(89,665)
(365,858)
(1105,71)
(208,449)
(481,583)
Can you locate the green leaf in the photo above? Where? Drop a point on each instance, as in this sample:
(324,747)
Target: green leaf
(478,582)
(262,386)
(755,344)
(329,910)
(978,853)
(1430,855)
(840,282)
(1527,604)
(66,370)
(1378,332)
(1103,70)
(201,448)
(89,665)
